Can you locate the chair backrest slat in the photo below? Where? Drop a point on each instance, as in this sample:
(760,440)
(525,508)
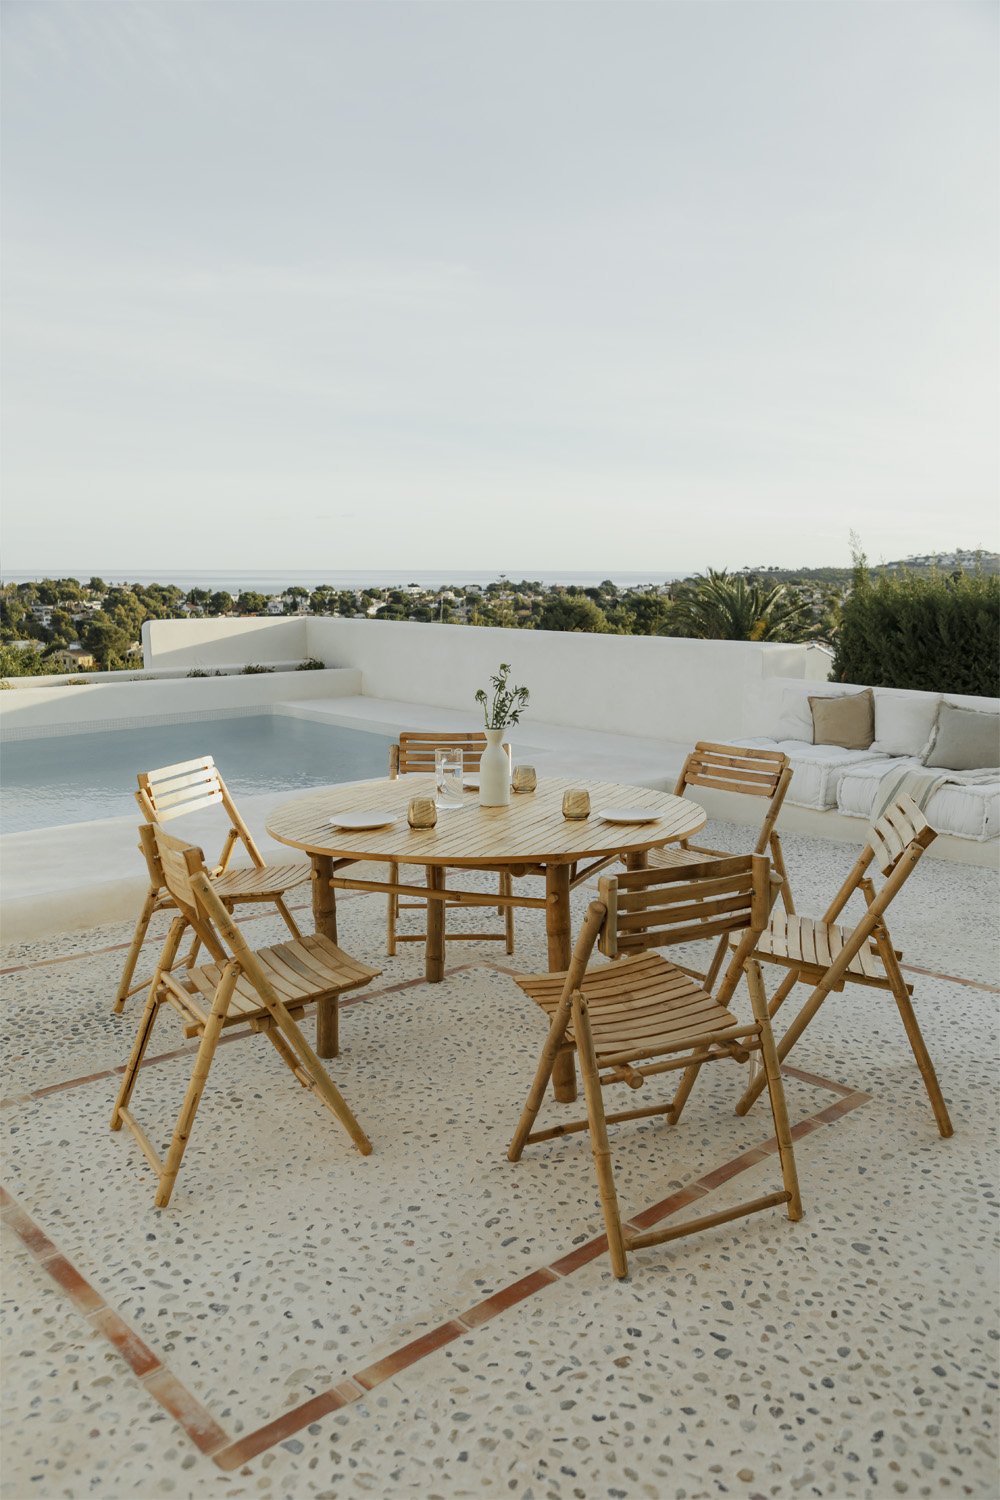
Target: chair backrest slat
(416,750)
(183,866)
(734,768)
(178,861)
(189,805)
(190,786)
(167,773)
(660,907)
(175,786)
(901,825)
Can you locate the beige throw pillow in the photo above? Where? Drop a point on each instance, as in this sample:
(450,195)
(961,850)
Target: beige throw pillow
(848,721)
(966,740)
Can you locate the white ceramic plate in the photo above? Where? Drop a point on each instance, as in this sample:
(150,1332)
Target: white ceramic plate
(628,815)
(373,818)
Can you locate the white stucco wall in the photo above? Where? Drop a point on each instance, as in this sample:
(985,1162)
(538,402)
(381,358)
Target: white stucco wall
(651,686)
(83,707)
(221,642)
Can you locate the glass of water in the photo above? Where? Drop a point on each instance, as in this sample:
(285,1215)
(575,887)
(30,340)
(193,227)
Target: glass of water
(449,768)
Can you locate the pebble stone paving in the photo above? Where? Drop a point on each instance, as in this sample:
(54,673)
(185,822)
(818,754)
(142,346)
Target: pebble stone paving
(852,1354)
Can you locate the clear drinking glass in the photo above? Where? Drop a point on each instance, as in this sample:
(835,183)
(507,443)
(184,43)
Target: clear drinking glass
(449,769)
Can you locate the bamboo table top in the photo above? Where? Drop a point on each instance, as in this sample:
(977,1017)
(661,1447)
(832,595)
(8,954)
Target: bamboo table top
(530,830)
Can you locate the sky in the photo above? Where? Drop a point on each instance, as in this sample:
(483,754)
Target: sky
(566,285)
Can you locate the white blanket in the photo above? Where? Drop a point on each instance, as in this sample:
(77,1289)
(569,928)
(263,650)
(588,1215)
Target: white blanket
(921,784)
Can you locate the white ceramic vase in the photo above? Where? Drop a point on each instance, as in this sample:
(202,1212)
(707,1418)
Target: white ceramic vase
(494,772)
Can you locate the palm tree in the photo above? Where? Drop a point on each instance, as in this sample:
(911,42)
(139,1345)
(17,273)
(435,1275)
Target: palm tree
(717,607)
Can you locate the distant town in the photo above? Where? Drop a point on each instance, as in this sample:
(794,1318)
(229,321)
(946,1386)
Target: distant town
(66,625)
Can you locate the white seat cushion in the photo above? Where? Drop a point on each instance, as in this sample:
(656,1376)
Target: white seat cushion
(968,812)
(816,769)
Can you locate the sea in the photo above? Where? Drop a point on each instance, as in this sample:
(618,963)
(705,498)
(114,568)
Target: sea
(275,581)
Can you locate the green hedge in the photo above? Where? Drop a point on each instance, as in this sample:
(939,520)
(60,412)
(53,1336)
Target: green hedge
(937,632)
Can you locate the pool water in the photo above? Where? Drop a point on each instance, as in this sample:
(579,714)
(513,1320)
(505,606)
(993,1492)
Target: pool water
(72,778)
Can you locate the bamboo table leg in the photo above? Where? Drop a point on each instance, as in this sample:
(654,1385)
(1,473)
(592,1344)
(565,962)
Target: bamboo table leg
(324,904)
(557,928)
(434,960)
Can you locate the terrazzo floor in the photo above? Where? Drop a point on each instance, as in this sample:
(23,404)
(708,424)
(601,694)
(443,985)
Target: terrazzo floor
(432,1321)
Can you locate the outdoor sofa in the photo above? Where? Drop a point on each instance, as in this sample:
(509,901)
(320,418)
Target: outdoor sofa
(908,728)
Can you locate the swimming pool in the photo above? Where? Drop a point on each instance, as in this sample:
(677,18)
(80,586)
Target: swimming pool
(75,777)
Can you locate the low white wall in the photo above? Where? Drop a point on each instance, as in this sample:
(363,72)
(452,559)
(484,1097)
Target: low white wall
(219,642)
(108,704)
(651,686)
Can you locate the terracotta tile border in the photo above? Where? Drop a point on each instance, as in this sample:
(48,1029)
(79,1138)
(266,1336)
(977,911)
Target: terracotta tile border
(164,1388)
(291,1421)
(972,984)
(72,958)
(212,1440)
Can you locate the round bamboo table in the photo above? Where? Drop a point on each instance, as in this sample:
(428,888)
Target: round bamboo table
(528,837)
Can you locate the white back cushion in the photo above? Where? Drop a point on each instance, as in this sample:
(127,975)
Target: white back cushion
(904,722)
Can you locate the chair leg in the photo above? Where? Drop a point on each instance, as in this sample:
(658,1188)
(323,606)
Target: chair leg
(791,1036)
(507,889)
(778,864)
(196,1086)
(708,983)
(688,1080)
(599,1144)
(783,991)
(913,1033)
(392,912)
(546,1062)
(321,1081)
(287,917)
(775,1089)
(132,957)
(147,1021)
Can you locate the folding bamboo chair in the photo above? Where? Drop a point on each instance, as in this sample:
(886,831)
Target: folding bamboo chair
(188,787)
(265,989)
(828,955)
(749,773)
(643,1015)
(415,753)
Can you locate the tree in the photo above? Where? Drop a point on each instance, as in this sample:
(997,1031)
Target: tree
(221,603)
(107,640)
(250,603)
(97,585)
(640,614)
(323,600)
(293,595)
(18,662)
(717,607)
(13,613)
(574,612)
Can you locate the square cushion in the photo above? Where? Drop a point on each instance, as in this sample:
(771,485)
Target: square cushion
(847,721)
(795,720)
(965,740)
(904,722)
